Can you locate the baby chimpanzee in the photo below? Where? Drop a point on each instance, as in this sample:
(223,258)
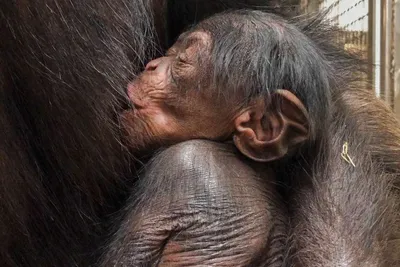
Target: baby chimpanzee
(277,91)
(240,77)
(219,84)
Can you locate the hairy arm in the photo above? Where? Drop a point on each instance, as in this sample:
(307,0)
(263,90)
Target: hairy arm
(200,204)
(347,215)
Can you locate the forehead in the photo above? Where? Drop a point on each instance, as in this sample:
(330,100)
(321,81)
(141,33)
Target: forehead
(197,41)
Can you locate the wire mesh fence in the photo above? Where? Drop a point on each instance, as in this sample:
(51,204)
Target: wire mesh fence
(351,16)
(372,28)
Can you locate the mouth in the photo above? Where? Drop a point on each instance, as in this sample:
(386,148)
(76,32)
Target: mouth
(123,102)
(134,101)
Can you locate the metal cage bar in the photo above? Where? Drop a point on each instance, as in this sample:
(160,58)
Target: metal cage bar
(369,27)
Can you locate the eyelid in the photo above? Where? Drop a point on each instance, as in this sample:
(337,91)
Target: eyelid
(171,52)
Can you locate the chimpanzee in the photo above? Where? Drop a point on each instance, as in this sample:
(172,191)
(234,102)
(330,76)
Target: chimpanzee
(64,170)
(184,96)
(223,80)
(63,68)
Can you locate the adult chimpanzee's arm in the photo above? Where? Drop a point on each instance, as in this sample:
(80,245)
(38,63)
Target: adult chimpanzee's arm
(200,204)
(348,215)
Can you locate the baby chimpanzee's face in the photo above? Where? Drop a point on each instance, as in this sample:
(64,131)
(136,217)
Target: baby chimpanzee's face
(173,101)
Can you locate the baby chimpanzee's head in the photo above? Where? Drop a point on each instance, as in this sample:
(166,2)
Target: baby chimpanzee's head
(245,76)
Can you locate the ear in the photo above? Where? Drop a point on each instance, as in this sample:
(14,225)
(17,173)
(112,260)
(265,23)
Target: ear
(266,133)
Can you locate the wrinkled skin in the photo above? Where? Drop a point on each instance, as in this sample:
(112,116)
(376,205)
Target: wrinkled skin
(172,104)
(176,99)
(212,208)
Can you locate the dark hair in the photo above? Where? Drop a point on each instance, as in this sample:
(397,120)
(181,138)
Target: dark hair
(254,53)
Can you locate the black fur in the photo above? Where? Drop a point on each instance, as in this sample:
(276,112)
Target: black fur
(64,66)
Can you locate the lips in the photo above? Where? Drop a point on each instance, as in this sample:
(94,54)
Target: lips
(133,91)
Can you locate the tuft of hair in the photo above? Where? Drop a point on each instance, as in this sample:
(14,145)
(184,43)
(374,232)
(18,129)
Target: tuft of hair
(254,53)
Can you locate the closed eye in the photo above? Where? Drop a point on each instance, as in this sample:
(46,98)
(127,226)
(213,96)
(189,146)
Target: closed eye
(181,59)
(172,75)
(179,68)
(171,52)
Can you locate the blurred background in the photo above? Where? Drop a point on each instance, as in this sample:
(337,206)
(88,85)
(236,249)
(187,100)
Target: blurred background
(372,26)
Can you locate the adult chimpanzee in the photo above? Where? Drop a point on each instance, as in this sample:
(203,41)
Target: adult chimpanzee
(222,81)
(63,69)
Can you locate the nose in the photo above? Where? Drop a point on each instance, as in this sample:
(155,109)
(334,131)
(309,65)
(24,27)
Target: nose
(154,64)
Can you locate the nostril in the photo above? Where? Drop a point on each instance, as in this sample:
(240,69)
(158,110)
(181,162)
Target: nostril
(151,66)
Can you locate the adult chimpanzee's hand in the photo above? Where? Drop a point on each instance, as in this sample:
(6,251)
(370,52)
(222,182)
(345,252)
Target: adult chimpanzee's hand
(200,204)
